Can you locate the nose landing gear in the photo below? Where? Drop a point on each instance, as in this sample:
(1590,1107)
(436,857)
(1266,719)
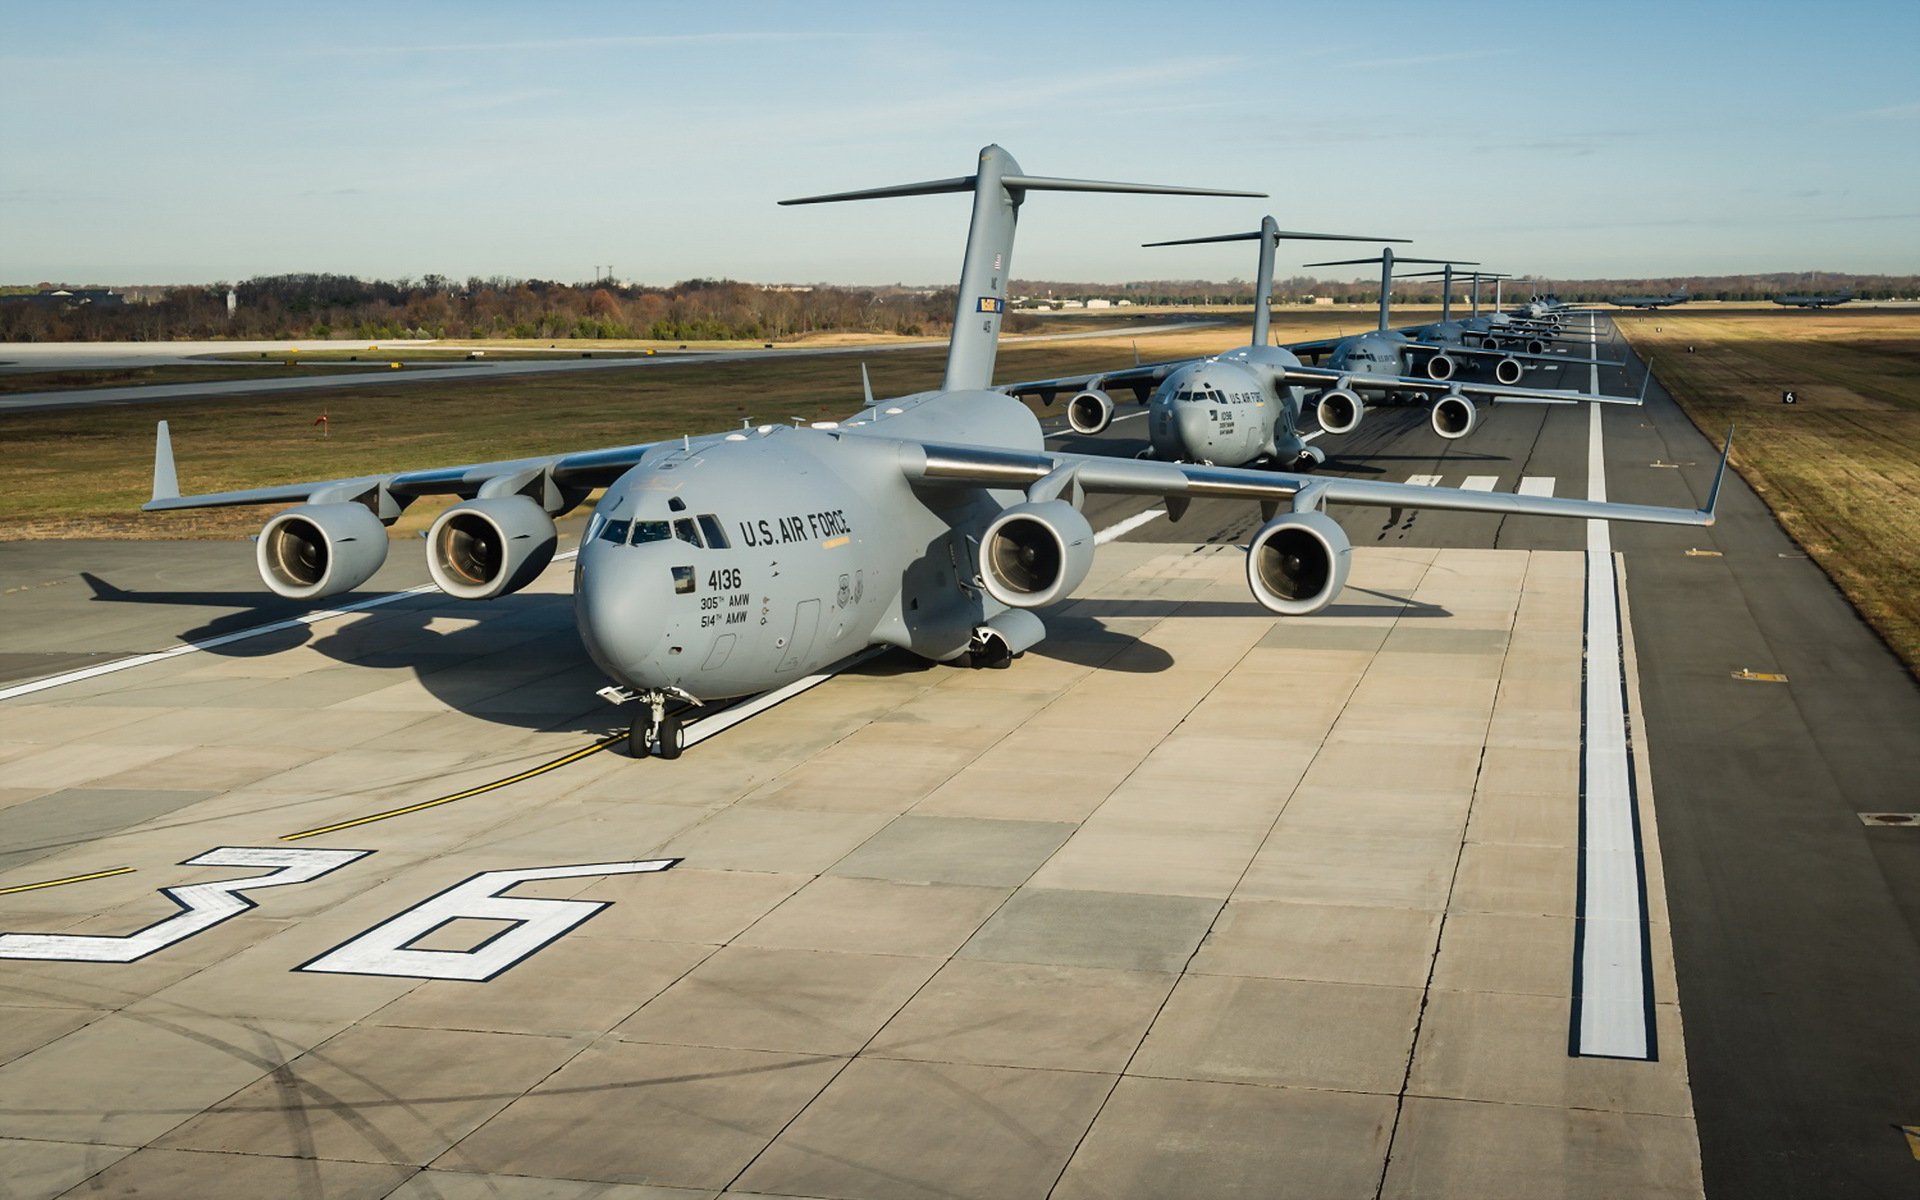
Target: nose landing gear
(655,731)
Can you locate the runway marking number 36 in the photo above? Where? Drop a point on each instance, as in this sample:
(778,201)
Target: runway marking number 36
(386,949)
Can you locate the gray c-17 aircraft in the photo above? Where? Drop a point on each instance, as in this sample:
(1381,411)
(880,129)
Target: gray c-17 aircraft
(725,565)
(1815,301)
(1679,297)
(1243,406)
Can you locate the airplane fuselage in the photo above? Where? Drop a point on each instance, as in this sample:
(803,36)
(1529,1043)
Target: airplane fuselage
(734,564)
(1229,411)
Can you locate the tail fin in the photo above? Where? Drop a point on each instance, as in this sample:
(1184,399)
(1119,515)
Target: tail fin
(1386,259)
(1268,235)
(998,188)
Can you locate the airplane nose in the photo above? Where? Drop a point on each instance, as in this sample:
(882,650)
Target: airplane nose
(1195,430)
(620,602)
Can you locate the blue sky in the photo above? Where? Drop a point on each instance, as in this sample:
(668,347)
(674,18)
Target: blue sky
(166,142)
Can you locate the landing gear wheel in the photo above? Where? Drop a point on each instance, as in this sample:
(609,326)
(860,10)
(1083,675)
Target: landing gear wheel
(671,738)
(640,735)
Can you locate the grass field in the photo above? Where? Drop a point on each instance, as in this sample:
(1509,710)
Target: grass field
(1841,466)
(85,472)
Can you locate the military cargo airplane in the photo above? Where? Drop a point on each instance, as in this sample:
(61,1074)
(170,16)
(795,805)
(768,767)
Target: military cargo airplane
(724,565)
(1679,297)
(1244,406)
(1815,301)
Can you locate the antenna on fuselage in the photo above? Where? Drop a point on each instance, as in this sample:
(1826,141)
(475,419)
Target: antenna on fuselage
(1269,235)
(1386,260)
(998,188)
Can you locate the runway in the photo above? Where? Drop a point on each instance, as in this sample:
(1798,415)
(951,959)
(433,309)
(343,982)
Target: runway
(1188,901)
(76,356)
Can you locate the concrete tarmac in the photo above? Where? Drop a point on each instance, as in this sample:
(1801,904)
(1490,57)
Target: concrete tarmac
(1188,901)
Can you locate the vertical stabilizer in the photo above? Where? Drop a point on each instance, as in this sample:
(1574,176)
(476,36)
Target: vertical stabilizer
(1386,287)
(1269,235)
(998,188)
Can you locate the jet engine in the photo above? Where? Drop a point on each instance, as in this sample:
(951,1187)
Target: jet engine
(1298,563)
(1090,412)
(320,550)
(1508,370)
(488,547)
(1536,346)
(1454,416)
(1034,554)
(1440,367)
(1340,410)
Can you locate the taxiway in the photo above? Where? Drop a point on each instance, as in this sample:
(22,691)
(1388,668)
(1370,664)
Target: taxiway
(1189,900)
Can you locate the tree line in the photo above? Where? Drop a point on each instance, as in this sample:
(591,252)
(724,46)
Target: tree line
(347,307)
(343,306)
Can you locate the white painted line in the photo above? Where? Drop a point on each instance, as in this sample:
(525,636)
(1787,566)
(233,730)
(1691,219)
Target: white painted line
(1612,991)
(1480,483)
(1424,480)
(225,639)
(1122,528)
(1536,485)
(699,731)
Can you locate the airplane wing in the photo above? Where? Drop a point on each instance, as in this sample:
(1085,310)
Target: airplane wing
(1565,360)
(1140,380)
(578,472)
(982,467)
(1497,393)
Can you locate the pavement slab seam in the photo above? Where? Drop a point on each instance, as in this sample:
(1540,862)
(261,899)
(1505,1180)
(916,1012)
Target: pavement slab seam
(1433,960)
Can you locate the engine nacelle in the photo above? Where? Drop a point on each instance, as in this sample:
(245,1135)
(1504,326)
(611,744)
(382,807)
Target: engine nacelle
(1340,410)
(489,547)
(1454,416)
(320,550)
(1508,371)
(1440,367)
(1090,412)
(1536,346)
(1298,563)
(1034,554)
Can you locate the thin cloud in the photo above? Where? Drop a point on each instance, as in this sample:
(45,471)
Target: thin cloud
(595,42)
(1894,112)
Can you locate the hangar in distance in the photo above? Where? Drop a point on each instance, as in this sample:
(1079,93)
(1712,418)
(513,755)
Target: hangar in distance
(727,564)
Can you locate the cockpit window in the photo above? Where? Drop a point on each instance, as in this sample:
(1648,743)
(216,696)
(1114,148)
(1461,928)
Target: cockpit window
(615,531)
(651,531)
(684,530)
(716,536)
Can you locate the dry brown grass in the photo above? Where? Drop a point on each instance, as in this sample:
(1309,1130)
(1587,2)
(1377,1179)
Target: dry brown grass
(1841,467)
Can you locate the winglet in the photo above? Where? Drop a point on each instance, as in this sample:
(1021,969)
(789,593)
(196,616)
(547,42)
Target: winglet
(1645,380)
(1713,496)
(866,384)
(166,486)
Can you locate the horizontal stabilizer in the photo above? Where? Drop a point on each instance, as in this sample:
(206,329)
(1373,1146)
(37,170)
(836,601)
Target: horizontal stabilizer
(1291,234)
(1034,183)
(1354,262)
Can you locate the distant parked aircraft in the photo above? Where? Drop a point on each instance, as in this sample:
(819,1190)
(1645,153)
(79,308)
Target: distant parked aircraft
(1815,301)
(1679,297)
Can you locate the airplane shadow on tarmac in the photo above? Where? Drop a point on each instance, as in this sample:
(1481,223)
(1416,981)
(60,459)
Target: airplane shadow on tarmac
(529,641)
